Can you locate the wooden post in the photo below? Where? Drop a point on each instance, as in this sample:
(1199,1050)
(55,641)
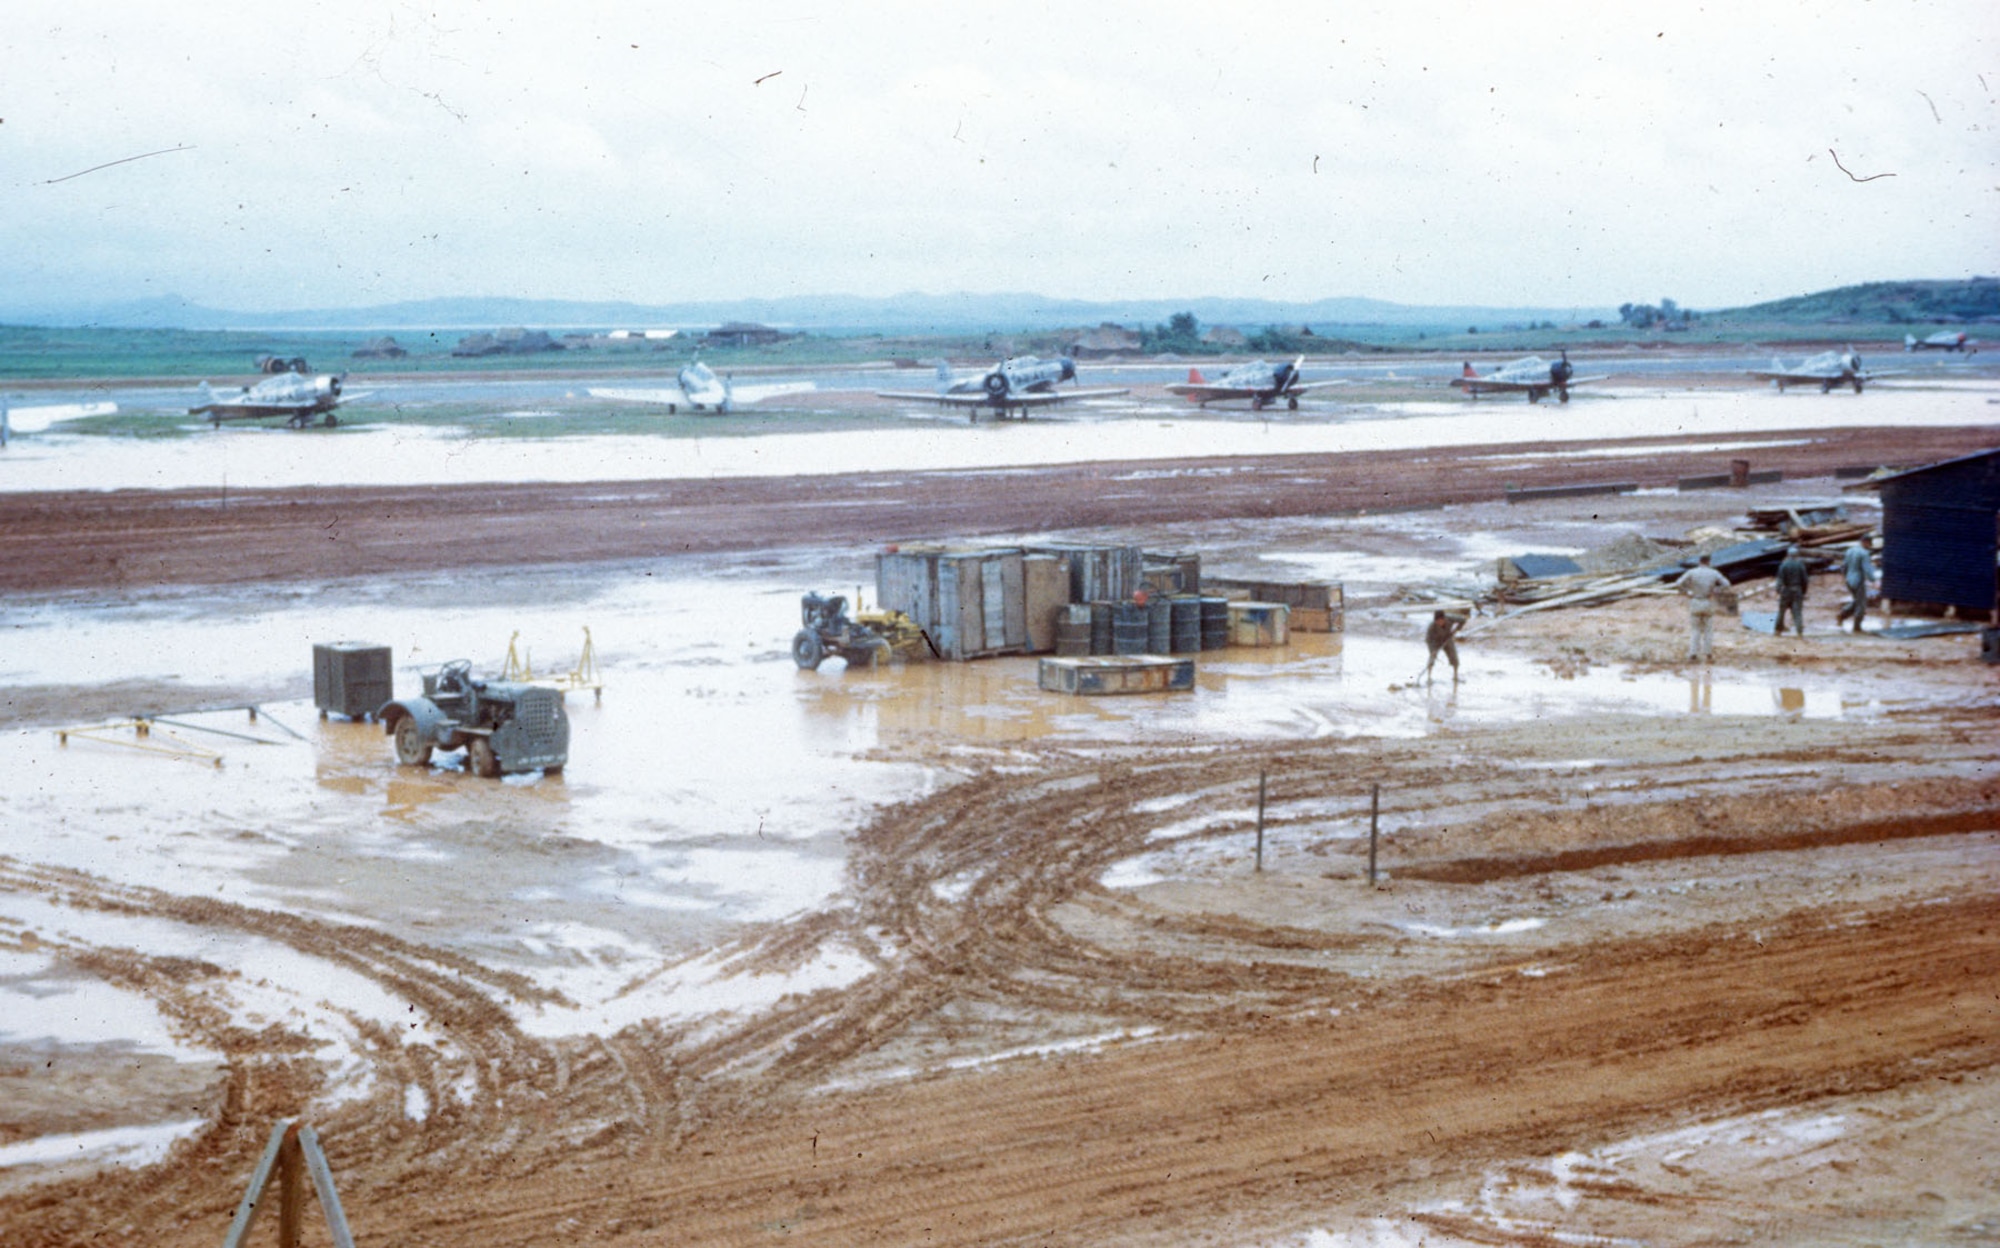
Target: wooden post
(1262,773)
(291,1190)
(1374,826)
(293,1153)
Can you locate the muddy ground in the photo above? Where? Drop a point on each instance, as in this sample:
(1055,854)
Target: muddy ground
(1623,976)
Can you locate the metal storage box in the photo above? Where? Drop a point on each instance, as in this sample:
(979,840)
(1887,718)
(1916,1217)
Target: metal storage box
(1138,673)
(1317,606)
(1100,573)
(1172,573)
(1259,624)
(351,678)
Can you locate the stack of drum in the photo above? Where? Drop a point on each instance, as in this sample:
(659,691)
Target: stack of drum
(1181,624)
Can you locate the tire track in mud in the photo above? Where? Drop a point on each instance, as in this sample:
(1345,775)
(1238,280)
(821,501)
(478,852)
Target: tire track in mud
(279,1070)
(955,893)
(1283,1117)
(954,897)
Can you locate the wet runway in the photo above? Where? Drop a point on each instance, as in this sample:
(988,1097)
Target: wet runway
(1095,430)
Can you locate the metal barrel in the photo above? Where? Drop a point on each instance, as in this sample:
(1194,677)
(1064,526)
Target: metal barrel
(1160,626)
(1186,634)
(1128,628)
(1100,628)
(1072,638)
(1214,623)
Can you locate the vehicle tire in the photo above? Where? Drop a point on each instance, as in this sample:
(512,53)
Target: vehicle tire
(330,421)
(299,365)
(1291,405)
(480,758)
(411,748)
(807,651)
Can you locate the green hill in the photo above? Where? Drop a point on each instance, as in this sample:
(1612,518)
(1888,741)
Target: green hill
(1892,303)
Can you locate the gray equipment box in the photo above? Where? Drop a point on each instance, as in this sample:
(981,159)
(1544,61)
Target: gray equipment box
(351,678)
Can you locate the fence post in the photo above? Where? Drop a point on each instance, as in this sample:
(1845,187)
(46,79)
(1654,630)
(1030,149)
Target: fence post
(1262,774)
(1374,825)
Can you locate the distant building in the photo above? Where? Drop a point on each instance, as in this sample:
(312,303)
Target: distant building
(510,341)
(1227,337)
(1106,340)
(744,334)
(383,348)
(1939,529)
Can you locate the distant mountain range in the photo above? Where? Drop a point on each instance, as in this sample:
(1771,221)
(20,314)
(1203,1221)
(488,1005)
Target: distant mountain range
(912,313)
(1917,303)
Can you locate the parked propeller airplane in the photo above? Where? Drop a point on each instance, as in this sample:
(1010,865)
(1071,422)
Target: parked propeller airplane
(1014,384)
(36,419)
(1825,370)
(698,389)
(1943,340)
(1531,375)
(298,397)
(1256,381)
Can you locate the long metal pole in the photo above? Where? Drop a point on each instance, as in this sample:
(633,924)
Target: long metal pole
(1262,774)
(1374,829)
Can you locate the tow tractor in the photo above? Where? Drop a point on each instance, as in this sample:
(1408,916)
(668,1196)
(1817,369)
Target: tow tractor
(863,639)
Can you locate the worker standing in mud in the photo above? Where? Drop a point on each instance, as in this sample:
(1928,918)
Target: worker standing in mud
(1859,572)
(1792,578)
(1439,637)
(1699,583)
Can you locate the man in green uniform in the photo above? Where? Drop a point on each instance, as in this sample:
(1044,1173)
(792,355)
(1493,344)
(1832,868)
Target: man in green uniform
(1792,577)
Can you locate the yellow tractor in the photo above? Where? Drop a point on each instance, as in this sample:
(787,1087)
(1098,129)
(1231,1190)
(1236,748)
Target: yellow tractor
(863,639)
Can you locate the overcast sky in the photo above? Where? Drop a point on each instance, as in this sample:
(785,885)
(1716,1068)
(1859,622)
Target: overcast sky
(336,154)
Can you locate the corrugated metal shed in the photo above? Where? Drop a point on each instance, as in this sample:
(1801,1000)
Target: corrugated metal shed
(1941,532)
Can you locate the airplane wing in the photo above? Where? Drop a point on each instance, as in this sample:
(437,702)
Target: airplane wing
(666,394)
(1207,393)
(1048,398)
(757,394)
(38,418)
(929,396)
(1030,398)
(1480,385)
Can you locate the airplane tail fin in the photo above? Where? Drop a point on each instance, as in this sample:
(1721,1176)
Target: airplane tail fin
(1195,378)
(944,377)
(1909,342)
(1468,370)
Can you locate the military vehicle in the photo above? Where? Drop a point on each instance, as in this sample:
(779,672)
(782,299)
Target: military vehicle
(504,727)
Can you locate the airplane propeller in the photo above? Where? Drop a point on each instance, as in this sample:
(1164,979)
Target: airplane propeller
(1562,370)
